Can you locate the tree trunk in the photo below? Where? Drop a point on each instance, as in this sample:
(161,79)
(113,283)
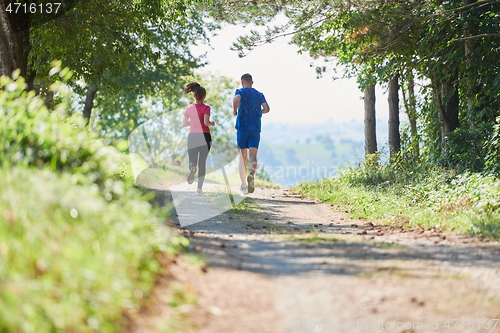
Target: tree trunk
(89,102)
(393,99)
(446,96)
(30,81)
(15,44)
(370,123)
(411,111)
(24,48)
(9,58)
(450,96)
(473,89)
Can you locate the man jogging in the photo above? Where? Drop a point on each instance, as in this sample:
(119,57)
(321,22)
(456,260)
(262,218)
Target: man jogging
(248,105)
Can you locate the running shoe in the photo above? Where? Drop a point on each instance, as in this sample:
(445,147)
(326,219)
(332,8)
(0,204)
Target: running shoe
(190,178)
(251,186)
(199,191)
(244,190)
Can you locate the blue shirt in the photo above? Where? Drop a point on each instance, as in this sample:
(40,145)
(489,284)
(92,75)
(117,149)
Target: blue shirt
(249,110)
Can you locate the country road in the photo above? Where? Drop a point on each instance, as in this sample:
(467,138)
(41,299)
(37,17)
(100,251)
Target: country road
(284,263)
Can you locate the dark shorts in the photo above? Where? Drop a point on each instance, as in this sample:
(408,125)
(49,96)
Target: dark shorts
(247,139)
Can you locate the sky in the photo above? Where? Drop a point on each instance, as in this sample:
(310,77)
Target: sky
(288,81)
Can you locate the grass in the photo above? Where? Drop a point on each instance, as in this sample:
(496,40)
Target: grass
(193,258)
(175,174)
(315,238)
(394,246)
(465,203)
(247,206)
(161,175)
(389,271)
(80,247)
(234,180)
(71,260)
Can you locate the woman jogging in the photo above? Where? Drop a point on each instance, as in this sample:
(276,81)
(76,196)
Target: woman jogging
(197,117)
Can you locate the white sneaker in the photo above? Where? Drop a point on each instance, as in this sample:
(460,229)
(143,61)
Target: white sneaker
(244,190)
(199,191)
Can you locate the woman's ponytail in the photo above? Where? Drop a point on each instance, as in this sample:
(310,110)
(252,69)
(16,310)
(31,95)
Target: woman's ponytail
(197,90)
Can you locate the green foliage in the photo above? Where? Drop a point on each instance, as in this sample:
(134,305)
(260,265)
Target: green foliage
(104,43)
(71,260)
(149,89)
(449,43)
(464,150)
(493,150)
(415,196)
(369,172)
(32,135)
(79,245)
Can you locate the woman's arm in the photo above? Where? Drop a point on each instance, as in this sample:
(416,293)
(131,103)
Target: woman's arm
(207,121)
(185,121)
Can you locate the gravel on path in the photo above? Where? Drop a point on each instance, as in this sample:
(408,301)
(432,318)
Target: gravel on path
(290,264)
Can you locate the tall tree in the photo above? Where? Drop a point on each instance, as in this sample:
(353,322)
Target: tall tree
(409,101)
(17,20)
(393,99)
(451,44)
(370,120)
(118,45)
(447,102)
(9,52)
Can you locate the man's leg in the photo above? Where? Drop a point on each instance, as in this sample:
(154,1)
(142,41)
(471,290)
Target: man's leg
(253,144)
(253,160)
(243,167)
(253,168)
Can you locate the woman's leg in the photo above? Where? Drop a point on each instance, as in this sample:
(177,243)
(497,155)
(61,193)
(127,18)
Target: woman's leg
(192,150)
(193,156)
(202,166)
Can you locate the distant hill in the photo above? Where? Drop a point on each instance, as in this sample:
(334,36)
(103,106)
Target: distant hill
(293,153)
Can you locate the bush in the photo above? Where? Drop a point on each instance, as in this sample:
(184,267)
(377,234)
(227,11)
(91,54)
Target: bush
(32,135)
(369,172)
(493,150)
(79,245)
(464,151)
(71,260)
(423,196)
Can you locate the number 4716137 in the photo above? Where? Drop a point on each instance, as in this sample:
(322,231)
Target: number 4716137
(471,324)
(33,8)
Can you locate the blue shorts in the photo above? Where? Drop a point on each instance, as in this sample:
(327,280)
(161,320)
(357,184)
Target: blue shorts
(247,139)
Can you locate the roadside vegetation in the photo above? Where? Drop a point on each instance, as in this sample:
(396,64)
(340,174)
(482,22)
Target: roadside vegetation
(420,195)
(440,67)
(80,246)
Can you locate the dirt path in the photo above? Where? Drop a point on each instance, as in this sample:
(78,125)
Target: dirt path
(291,264)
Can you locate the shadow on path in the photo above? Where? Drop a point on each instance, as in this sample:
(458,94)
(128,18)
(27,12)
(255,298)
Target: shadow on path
(274,241)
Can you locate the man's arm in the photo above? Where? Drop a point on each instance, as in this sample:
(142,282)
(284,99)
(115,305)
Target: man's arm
(236,103)
(265,108)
